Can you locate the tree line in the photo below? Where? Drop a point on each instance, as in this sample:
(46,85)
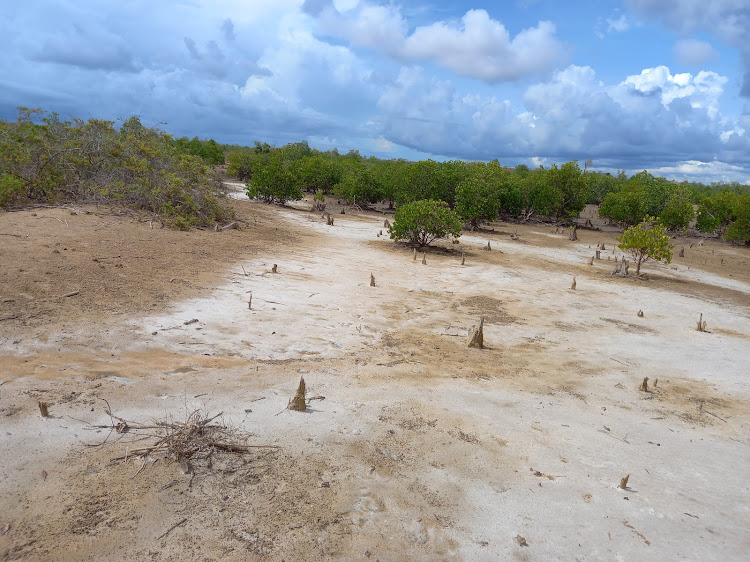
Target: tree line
(46,159)
(478,192)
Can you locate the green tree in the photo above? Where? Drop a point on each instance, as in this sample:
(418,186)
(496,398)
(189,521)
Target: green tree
(422,222)
(274,181)
(568,180)
(739,229)
(647,240)
(678,212)
(478,195)
(359,184)
(715,212)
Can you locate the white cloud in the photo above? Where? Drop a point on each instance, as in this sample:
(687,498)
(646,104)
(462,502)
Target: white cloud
(477,46)
(647,119)
(613,24)
(727,20)
(693,52)
(703,90)
(619,24)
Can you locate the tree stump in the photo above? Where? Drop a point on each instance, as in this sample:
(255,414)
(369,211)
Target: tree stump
(598,255)
(656,381)
(386,224)
(343,212)
(372,280)
(463,258)
(273,269)
(573,286)
(329,220)
(298,402)
(622,268)
(488,246)
(591,261)
(476,335)
(644,385)
(250,301)
(573,234)
(380,233)
(640,314)
(624,482)
(682,252)
(603,248)
(701,324)
(43,409)
(415,254)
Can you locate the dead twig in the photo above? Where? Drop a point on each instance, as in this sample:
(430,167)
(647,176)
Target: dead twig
(172,528)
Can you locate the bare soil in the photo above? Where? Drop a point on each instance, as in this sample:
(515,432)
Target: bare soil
(421,448)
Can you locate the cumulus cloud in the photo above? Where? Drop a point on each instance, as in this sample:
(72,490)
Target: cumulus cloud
(693,52)
(649,118)
(477,46)
(727,20)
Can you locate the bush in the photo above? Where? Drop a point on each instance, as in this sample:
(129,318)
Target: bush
(422,222)
(56,161)
(647,240)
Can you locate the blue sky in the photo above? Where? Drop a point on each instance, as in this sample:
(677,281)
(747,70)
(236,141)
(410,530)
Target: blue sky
(662,85)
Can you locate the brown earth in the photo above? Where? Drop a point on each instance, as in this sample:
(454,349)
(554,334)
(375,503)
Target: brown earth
(421,449)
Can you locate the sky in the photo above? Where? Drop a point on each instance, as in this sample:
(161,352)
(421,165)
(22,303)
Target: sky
(661,85)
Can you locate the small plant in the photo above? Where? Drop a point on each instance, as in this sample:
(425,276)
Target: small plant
(647,240)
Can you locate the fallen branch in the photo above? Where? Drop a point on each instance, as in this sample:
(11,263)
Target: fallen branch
(172,528)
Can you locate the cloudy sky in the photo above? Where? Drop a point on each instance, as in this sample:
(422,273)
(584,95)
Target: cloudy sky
(662,85)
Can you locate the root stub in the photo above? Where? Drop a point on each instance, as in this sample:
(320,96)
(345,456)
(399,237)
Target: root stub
(476,335)
(297,403)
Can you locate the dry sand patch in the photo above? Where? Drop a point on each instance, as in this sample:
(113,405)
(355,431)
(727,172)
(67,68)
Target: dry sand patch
(422,448)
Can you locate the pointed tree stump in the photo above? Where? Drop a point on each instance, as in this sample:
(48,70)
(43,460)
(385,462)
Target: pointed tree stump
(476,335)
(273,269)
(372,280)
(598,255)
(624,482)
(644,385)
(298,402)
(43,409)
(603,248)
(463,258)
(573,286)
(250,301)
(640,314)
(701,324)
(488,245)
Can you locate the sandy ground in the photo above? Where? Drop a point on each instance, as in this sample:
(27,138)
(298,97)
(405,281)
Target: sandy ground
(422,448)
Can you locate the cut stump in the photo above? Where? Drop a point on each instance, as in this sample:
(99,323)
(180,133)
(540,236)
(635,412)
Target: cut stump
(476,335)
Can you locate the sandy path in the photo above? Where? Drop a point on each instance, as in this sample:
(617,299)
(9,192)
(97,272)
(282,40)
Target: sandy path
(430,450)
